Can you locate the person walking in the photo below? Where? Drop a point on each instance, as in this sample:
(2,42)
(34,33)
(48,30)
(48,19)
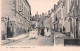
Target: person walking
(42,31)
(48,33)
(45,30)
(38,31)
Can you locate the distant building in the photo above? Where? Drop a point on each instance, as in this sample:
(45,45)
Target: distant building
(33,18)
(49,12)
(17,13)
(52,20)
(34,24)
(48,22)
(43,17)
(58,16)
(37,16)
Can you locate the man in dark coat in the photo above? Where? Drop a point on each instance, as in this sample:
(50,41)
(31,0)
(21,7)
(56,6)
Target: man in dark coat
(42,31)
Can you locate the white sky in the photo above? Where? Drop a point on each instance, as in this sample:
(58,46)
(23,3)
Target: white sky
(42,6)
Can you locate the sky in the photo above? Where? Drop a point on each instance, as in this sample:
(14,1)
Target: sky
(41,6)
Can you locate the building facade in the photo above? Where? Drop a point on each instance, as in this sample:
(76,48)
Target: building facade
(66,16)
(74,17)
(17,13)
(48,23)
(58,16)
(37,17)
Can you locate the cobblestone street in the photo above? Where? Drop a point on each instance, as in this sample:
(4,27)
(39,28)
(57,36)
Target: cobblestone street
(41,41)
(56,38)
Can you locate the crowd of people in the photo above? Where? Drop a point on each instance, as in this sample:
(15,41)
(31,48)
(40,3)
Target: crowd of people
(36,32)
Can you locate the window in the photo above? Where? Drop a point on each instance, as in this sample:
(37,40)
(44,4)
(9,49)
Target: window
(22,9)
(64,3)
(77,2)
(20,6)
(19,1)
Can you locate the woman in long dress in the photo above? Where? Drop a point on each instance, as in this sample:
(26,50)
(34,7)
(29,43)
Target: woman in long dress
(36,33)
(33,34)
(47,33)
(45,30)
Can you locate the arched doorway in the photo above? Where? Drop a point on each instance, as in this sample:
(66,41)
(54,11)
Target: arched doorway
(10,30)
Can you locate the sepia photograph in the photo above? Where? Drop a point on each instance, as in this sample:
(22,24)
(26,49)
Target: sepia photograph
(40,23)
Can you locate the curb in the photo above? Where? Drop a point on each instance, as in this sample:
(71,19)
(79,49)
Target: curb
(11,40)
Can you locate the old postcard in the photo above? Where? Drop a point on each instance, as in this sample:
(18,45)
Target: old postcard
(40,23)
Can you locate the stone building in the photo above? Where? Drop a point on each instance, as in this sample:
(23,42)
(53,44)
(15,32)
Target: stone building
(37,17)
(48,22)
(43,17)
(17,13)
(58,16)
(65,17)
(74,18)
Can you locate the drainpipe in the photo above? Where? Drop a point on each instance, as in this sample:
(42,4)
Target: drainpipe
(77,26)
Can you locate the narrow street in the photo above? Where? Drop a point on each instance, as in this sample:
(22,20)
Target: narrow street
(41,41)
(56,38)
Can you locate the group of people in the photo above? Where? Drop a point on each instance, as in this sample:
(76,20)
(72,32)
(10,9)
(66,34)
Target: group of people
(39,31)
(33,34)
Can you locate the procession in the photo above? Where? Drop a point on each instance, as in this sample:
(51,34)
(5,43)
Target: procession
(39,32)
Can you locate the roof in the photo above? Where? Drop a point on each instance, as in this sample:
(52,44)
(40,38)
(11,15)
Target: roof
(27,3)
